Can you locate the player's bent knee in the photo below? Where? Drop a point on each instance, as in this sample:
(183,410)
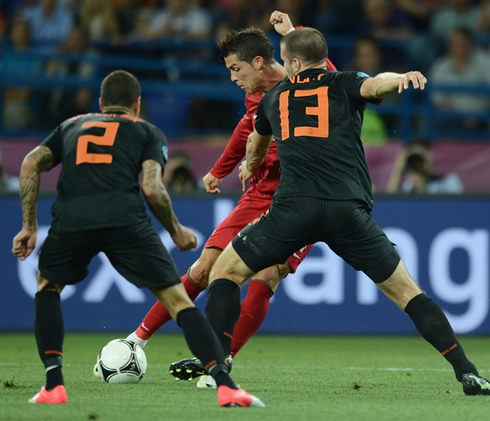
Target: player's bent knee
(273,275)
(199,275)
(283,271)
(200,270)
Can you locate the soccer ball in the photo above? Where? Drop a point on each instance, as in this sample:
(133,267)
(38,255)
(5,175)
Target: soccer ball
(121,361)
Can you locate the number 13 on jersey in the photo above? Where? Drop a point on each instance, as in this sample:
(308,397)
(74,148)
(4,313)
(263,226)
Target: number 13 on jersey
(320,110)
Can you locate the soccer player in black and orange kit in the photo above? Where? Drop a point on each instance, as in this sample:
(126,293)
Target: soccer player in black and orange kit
(324,194)
(249,55)
(99,208)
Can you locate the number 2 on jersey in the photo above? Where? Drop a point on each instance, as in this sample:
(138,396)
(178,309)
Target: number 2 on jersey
(107,139)
(321,111)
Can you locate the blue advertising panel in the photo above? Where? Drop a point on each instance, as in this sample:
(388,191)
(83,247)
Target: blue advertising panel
(444,243)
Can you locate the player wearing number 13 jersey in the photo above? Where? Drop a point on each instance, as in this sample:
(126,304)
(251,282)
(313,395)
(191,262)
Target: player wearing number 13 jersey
(324,193)
(316,118)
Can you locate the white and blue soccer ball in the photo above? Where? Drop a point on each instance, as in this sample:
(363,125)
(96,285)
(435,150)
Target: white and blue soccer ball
(121,361)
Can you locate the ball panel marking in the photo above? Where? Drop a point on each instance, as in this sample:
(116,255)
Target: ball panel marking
(121,362)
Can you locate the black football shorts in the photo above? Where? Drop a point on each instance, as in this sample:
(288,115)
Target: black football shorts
(347,227)
(135,251)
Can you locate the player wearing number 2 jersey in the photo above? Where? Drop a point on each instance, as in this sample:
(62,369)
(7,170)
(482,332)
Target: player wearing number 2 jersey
(99,208)
(315,118)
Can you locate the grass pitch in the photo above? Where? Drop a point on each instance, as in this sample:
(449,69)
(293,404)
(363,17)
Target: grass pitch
(298,378)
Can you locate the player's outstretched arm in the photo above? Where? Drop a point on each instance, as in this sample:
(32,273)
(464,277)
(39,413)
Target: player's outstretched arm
(158,200)
(281,22)
(38,160)
(386,83)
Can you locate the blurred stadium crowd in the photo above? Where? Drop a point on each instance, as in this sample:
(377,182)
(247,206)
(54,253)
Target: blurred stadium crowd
(55,52)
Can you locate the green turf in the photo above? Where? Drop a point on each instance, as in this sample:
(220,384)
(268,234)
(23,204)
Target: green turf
(298,378)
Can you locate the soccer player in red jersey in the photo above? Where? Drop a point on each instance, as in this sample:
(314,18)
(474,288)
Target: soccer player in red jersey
(249,55)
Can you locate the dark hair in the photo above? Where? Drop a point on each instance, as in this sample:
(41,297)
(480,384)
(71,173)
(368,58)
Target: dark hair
(247,44)
(120,88)
(307,44)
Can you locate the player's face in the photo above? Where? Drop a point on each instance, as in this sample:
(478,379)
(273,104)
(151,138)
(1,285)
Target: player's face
(244,75)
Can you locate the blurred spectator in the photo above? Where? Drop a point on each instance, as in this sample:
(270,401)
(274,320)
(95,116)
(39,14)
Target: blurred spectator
(62,103)
(178,18)
(244,14)
(419,11)
(178,176)
(334,17)
(464,65)
(484,17)
(8,183)
(49,24)
(456,14)
(421,48)
(384,21)
(368,58)
(413,173)
(327,18)
(98,18)
(17,110)
(126,12)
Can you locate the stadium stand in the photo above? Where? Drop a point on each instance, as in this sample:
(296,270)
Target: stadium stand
(189,95)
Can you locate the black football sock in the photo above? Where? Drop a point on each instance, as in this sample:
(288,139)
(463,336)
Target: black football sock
(433,325)
(204,344)
(49,332)
(223,310)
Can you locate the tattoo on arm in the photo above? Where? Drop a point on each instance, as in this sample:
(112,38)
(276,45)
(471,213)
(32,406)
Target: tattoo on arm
(40,159)
(159,202)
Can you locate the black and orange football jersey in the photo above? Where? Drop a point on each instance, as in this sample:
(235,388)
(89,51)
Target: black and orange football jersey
(101,156)
(316,118)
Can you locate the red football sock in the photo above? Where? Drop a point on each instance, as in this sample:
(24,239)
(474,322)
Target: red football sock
(159,315)
(253,310)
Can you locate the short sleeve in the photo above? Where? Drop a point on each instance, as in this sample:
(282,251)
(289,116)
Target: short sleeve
(54,143)
(157,148)
(352,81)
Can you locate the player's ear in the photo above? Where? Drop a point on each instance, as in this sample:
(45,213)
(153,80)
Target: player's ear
(296,62)
(101,106)
(258,62)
